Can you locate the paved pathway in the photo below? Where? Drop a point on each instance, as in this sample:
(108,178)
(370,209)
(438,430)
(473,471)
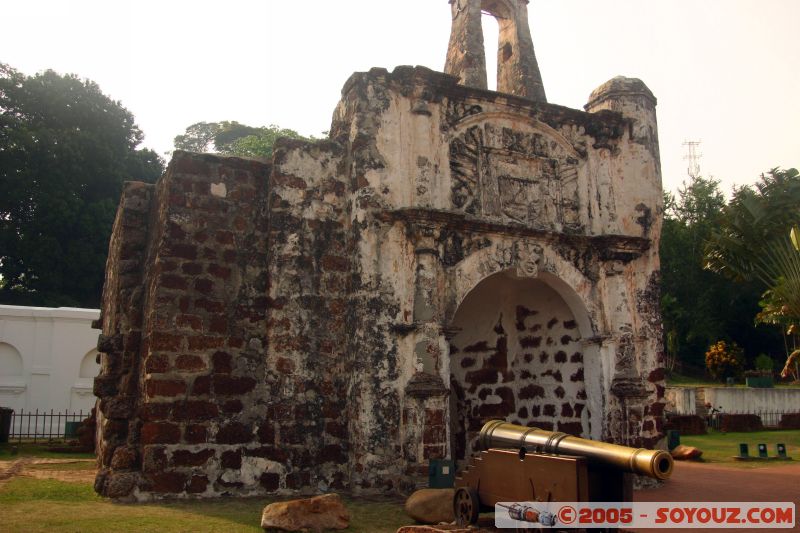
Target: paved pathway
(713,483)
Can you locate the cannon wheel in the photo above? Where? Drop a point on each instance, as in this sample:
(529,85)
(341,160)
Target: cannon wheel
(466,506)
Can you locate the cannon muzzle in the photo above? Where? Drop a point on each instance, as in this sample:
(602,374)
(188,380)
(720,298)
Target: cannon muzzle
(653,463)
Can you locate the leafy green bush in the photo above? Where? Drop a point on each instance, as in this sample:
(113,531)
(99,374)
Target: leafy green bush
(764,363)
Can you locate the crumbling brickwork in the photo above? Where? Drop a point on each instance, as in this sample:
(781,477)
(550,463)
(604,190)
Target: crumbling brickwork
(340,315)
(516,363)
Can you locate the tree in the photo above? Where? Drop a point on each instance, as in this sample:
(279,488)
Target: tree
(233,138)
(212,136)
(65,151)
(754,243)
(756,226)
(700,308)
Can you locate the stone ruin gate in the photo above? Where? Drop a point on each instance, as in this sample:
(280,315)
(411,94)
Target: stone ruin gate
(336,317)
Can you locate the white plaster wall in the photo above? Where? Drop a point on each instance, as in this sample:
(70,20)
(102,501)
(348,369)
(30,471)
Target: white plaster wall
(740,400)
(681,400)
(55,358)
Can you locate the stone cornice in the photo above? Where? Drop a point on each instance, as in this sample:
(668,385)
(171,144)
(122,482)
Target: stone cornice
(607,247)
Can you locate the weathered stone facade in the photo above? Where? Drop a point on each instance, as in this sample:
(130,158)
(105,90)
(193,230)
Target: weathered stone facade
(338,316)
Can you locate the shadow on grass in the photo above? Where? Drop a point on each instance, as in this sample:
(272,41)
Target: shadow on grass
(10,451)
(31,505)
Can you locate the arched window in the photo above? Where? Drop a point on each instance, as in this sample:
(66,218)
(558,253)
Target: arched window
(515,61)
(10,361)
(491,36)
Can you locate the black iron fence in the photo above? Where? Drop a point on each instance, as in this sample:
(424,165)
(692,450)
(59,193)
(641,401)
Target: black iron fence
(39,425)
(769,419)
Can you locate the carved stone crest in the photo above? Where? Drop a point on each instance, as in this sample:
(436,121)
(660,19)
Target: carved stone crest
(515,176)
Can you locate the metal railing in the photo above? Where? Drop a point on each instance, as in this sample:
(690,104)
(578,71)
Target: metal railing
(43,426)
(769,419)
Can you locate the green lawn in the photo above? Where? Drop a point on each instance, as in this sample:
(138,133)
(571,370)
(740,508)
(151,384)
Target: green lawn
(721,447)
(688,381)
(31,505)
(12,450)
(679,380)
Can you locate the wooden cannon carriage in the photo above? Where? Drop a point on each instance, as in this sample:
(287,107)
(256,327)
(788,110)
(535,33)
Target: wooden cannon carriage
(522,464)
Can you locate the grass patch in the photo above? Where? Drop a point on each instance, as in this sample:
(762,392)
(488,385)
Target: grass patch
(379,517)
(36,505)
(721,447)
(676,379)
(689,381)
(12,450)
(22,489)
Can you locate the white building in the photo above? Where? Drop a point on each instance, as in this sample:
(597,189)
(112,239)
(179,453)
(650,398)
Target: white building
(47,358)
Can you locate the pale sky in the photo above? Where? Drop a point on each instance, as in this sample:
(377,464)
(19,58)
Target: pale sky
(725,72)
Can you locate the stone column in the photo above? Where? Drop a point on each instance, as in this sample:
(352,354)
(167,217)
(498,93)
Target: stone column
(466,57)
(517,69)
(425,403)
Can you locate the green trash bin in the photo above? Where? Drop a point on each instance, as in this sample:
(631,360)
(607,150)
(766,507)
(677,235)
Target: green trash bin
(673,439)
(441,473)
(71,430)
(5,423)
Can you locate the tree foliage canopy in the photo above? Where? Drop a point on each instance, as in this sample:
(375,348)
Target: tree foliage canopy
(755,226)
(65,151)
(755,242)
(700,307)
(233,138)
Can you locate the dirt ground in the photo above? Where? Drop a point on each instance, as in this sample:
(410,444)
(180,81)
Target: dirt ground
(697,482)
(32,467)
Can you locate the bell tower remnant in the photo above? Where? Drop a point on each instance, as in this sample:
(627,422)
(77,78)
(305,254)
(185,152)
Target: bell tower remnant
(517,68)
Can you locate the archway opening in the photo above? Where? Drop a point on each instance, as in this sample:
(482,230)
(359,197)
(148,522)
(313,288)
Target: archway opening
(498,24)
(518,356)
(491,36)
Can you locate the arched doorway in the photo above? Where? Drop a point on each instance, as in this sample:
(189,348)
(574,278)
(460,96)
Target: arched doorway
(517,355)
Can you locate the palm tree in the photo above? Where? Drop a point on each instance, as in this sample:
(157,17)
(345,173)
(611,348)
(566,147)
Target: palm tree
(756,240)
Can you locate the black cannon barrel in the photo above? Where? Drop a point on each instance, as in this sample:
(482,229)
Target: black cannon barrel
(500,434)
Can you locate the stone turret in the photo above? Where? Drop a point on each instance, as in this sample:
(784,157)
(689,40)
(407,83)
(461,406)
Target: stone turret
(634,100)
(517,69)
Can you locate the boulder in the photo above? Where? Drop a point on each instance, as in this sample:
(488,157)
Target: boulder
(431,506)
(686,453)
(312,514)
